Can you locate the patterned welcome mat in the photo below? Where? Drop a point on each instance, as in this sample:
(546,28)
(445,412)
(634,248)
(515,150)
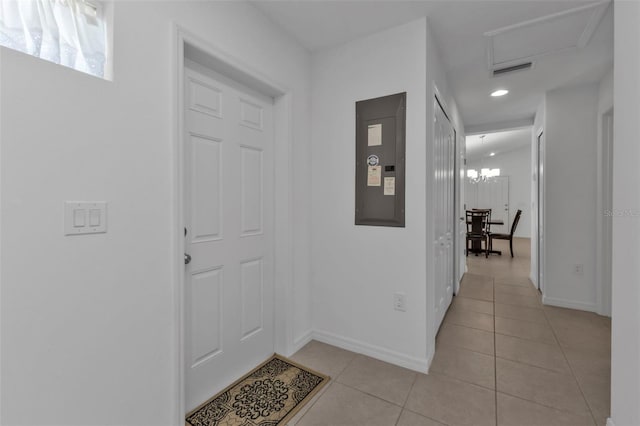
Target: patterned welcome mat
(269,395)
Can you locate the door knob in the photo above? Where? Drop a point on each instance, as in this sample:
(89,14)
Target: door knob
(187,259)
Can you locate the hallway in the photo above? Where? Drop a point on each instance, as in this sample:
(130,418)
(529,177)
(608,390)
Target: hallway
(501,358)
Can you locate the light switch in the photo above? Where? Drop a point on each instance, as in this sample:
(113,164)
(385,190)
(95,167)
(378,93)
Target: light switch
(85,217)
(94,217)
(78,217)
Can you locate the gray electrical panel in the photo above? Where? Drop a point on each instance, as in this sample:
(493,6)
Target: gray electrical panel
(380,159)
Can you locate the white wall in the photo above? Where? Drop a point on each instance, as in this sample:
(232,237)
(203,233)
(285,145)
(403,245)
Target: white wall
(538,127)
(88,321)
(356,269)
(570,175)
(516,165)
(625,333)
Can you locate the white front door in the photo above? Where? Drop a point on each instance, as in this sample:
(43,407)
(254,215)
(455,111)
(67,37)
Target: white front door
(494,194)
(229,215)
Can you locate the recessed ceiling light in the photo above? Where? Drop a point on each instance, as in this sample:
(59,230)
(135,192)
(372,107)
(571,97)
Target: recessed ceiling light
(492,154)
(500,92)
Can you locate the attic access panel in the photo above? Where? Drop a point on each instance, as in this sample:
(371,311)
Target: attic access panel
(560,32)
(380,161)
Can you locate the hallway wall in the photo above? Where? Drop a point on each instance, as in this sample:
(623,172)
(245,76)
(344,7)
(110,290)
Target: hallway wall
(356,269)
(88,321)
(625,351)
(570,196)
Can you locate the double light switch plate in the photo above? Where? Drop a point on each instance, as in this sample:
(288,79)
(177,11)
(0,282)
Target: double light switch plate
(85,217)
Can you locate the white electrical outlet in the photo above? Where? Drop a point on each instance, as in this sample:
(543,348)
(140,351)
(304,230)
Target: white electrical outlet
(400,302)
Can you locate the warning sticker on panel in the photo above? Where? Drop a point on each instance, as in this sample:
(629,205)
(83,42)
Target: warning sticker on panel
(374,135)
(374,176)
(389,186)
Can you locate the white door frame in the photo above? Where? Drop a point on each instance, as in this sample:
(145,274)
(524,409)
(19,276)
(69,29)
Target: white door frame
(283,232)
(604,185)
(540,195)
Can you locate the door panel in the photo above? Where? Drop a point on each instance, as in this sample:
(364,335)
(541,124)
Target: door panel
(229,218)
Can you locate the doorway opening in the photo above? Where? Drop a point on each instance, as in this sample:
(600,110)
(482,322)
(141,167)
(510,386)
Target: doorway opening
(254,123)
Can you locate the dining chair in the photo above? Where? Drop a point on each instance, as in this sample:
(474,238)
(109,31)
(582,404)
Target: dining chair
(477,225)
(508,236)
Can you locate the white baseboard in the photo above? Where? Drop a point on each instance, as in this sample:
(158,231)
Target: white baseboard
(300,342)
(610,422)
(383,354)
(564,303)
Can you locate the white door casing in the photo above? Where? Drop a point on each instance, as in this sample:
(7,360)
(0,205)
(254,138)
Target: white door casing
(604,214)
(540,211)
(229,216)
(460,203)
(444,207)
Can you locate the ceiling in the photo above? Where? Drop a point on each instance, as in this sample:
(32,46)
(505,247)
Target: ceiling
(498,143)
(459,29)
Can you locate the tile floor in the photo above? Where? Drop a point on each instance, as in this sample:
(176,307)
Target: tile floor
(502,358)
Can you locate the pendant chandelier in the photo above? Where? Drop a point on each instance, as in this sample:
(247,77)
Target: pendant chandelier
(485,174)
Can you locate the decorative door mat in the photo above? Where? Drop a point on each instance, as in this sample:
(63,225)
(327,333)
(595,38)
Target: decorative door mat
(269,395)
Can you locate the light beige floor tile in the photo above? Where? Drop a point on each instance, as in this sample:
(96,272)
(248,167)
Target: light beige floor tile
(341,405)
(377,378)
(513,281)
(295,419)
(466,338)
(476,279)
(517,412)
(595,340)
(481,291)
(597,391)
(538,385)
(532,301)
(583,362)
(468,366)
(469,319)
(474,305)
(323,358)
(451,401)
(600,419)
(573,317)
(409,418)
(520,313)
(525,330)
(533,353)
(517,290)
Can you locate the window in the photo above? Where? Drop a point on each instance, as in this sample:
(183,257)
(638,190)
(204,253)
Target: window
(68,32)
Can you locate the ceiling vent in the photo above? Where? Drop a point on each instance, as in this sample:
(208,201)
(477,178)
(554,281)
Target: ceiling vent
(569,30)
(512,68)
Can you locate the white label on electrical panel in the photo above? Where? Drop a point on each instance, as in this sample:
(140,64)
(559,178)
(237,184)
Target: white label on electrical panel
(374,135)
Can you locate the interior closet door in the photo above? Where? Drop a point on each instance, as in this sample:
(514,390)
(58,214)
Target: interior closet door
(444,207)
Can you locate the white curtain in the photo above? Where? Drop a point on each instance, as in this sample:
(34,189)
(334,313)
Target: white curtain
(67,32)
